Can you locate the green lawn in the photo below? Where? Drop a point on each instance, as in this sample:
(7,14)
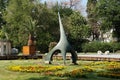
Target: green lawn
(11,75)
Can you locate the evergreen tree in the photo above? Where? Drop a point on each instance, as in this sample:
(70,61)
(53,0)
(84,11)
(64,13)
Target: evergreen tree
(92,20)
(79,30)
(109,15)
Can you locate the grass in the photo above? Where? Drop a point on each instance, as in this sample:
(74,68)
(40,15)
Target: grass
(11,75)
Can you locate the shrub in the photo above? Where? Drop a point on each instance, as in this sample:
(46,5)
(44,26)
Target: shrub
(91,47)
(95,46)
(77,44)
(106,47)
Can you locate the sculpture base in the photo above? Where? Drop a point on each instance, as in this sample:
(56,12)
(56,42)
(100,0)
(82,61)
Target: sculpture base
(29,50)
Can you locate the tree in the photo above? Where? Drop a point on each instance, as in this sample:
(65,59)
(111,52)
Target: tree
(16,16)
(79,30)
(71,3)
(3,5)
(108,13)
(47,26)
(92,20)
(30,18)
(30,26)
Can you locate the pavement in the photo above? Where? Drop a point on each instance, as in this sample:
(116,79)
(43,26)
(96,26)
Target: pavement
(110,55)
(98,55)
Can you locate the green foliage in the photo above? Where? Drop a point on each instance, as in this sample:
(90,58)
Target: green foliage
(28,17)
(78,28)
(104,15)
(21,17)
(108,13)
(52,45)
(31,17)
(2,34)
(92,18)
(30,26)
(64,11)
(3,5)
(95,46)
(16,15)
(77,44)
(47,30)
(91,4)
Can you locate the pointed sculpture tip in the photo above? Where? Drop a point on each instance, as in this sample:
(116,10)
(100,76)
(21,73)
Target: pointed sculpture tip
(58,13)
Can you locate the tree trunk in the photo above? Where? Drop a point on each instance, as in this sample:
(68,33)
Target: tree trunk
(31,40)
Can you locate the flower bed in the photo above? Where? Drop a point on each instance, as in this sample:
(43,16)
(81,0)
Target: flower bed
(77,73)
(112,70)
(53,70)
(36,69)
(103,69)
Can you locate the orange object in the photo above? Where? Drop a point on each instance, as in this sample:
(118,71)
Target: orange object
(29,50)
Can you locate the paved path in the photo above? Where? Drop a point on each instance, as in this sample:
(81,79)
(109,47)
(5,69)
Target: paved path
(94,57)
(97,55)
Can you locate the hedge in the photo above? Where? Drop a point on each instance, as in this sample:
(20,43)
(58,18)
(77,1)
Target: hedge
(95,46)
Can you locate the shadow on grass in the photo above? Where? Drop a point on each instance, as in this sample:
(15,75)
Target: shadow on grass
(52,78)
(68,78)
(39,78)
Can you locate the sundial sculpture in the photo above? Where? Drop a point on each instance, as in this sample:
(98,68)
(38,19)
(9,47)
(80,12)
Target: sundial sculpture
(63,46)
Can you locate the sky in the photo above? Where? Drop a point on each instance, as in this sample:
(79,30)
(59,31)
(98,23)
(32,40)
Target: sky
(83,4)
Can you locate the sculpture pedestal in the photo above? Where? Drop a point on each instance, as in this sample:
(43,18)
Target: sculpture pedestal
(29,50)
